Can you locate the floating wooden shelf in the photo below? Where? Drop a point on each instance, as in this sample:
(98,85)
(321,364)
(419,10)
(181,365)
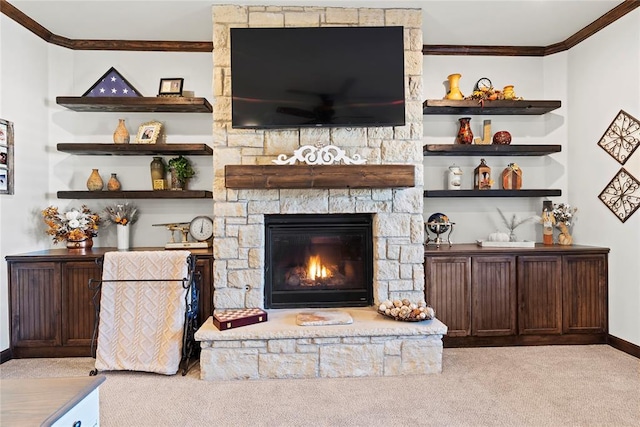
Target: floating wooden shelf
(492,193)
(489,150)
(136,149)
(141,104)
(146,194)
(501,107)
(322,176)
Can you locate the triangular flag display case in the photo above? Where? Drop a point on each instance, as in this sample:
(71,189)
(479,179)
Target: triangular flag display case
(112,84)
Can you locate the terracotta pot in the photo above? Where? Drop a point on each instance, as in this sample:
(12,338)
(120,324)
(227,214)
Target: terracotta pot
(502,138)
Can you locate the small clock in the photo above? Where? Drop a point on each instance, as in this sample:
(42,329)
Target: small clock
(483,84)
(201,228)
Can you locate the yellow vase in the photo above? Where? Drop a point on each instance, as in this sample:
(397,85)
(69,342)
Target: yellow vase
(454,89)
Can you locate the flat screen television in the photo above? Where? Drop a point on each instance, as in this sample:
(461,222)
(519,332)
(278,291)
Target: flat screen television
(316,77)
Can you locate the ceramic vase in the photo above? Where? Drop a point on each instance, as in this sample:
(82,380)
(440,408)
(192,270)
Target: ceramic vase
(158,172)
(95,182)
(113,184)
(454,89)
(121,135)
(123,237)
(80,244)
(465,136)
(454,177)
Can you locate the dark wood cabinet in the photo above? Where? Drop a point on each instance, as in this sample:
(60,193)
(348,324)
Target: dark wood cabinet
(539,294)
(493,295)
(518,296)
(51,309)
(584,308)
(449,279)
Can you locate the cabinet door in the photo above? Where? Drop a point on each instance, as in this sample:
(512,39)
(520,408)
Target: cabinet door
(205,303)
(493,295)
(539,295)
(78,311)
(447,290)
(35,304)
(584,281)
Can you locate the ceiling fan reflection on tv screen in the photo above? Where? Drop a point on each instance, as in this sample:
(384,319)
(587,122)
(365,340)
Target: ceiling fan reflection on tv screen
(315,77)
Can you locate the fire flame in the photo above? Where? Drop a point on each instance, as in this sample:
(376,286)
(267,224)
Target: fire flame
(316,269)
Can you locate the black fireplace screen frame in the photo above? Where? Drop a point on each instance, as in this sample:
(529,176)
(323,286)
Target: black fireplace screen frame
(318,224)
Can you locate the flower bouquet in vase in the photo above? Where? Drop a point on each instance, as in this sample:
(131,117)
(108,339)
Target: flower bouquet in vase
(565,217)
(77,226)
(122,215)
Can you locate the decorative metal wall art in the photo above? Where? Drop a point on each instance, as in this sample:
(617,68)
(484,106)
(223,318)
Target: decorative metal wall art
(6,157)
(323,155)
(622,137)
(622,195)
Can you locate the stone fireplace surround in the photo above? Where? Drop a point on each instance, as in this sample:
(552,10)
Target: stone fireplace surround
(279,348)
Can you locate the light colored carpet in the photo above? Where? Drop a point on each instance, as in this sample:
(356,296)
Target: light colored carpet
(509,386)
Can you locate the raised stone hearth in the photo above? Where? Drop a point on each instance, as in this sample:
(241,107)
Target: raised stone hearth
(279,348)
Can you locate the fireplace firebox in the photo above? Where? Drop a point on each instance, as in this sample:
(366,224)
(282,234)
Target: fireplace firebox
(318,261)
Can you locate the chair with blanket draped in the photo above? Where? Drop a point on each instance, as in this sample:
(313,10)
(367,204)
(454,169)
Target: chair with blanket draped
(147,311)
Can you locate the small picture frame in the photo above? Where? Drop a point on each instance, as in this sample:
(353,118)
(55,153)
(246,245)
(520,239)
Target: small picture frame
(6,157)
(148,133)
(170,87)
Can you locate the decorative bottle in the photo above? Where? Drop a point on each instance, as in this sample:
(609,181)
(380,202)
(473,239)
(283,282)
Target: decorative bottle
(113,184)
(465,136)
(95,182)
(158,173)
(121,135)
(454,90)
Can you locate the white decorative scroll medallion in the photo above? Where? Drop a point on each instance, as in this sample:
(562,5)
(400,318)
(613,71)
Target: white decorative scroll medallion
(325,155)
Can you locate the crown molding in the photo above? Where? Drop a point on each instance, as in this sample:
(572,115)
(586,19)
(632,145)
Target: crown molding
(185,46)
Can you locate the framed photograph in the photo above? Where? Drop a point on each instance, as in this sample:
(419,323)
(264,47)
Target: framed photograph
(170,87)
(6,157)
(148,133)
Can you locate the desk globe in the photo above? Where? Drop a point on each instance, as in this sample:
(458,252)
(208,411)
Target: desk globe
(438,223)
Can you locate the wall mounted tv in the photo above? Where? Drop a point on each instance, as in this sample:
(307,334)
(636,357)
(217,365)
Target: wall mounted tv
(315,77)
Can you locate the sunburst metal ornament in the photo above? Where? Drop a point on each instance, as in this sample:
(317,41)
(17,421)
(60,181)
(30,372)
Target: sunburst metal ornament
(622,195)
(622,137)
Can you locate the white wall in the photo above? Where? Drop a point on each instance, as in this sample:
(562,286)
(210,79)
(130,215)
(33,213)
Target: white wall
(34,73)
(603,78)
(25,61)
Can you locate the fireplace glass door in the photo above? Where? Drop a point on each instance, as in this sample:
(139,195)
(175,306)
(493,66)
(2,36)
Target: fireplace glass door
(318,261)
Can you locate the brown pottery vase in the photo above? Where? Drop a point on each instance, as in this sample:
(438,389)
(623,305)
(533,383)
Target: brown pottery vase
(95,182)
(465,136)
(113,184)
(121,135)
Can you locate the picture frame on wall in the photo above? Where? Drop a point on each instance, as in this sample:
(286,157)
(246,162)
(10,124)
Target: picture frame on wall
(6,157)
(171,87)
(148,133)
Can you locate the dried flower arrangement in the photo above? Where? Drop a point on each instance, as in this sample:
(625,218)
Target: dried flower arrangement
(74,225)
(121,214)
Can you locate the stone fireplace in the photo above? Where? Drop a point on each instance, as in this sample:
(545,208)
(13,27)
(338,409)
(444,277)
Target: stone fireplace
(396,217)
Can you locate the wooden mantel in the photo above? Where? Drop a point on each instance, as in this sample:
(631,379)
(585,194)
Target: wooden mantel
(319,176)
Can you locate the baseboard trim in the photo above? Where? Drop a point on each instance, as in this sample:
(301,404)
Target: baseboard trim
(625,346)
(5,356)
